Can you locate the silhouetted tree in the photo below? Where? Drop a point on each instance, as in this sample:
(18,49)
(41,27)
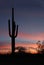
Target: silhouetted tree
(39,46)
(14,33)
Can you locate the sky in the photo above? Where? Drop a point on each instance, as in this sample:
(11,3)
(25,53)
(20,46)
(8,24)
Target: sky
(28,14)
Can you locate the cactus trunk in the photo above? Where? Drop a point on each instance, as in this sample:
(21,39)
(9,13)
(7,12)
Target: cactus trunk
(13,39)
(14,33)
(13,44)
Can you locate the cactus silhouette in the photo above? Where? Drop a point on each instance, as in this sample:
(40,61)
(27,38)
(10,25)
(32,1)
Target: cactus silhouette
(14,33)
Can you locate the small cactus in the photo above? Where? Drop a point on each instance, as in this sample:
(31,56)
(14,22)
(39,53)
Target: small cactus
(14,33)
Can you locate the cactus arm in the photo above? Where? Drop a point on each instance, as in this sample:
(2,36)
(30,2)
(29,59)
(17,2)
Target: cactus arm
(9,28)
(16,31)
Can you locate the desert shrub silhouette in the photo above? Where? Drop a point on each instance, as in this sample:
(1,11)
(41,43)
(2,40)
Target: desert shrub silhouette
(20,49)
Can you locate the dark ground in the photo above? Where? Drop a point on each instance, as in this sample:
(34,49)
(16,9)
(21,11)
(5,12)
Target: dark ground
(22,59)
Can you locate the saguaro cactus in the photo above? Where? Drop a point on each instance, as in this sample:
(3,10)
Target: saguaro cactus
(14,33)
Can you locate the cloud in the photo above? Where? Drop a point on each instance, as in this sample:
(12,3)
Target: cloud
(23,36)
(37,36)
(5,47)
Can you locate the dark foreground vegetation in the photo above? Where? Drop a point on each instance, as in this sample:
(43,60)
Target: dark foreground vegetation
(22,58)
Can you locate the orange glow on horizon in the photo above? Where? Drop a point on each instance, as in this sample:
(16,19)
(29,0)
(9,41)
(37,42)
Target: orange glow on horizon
(30,48)
(4,49)
(32,51)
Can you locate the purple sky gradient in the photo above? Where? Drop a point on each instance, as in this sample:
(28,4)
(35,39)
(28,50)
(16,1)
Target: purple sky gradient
(29,15)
